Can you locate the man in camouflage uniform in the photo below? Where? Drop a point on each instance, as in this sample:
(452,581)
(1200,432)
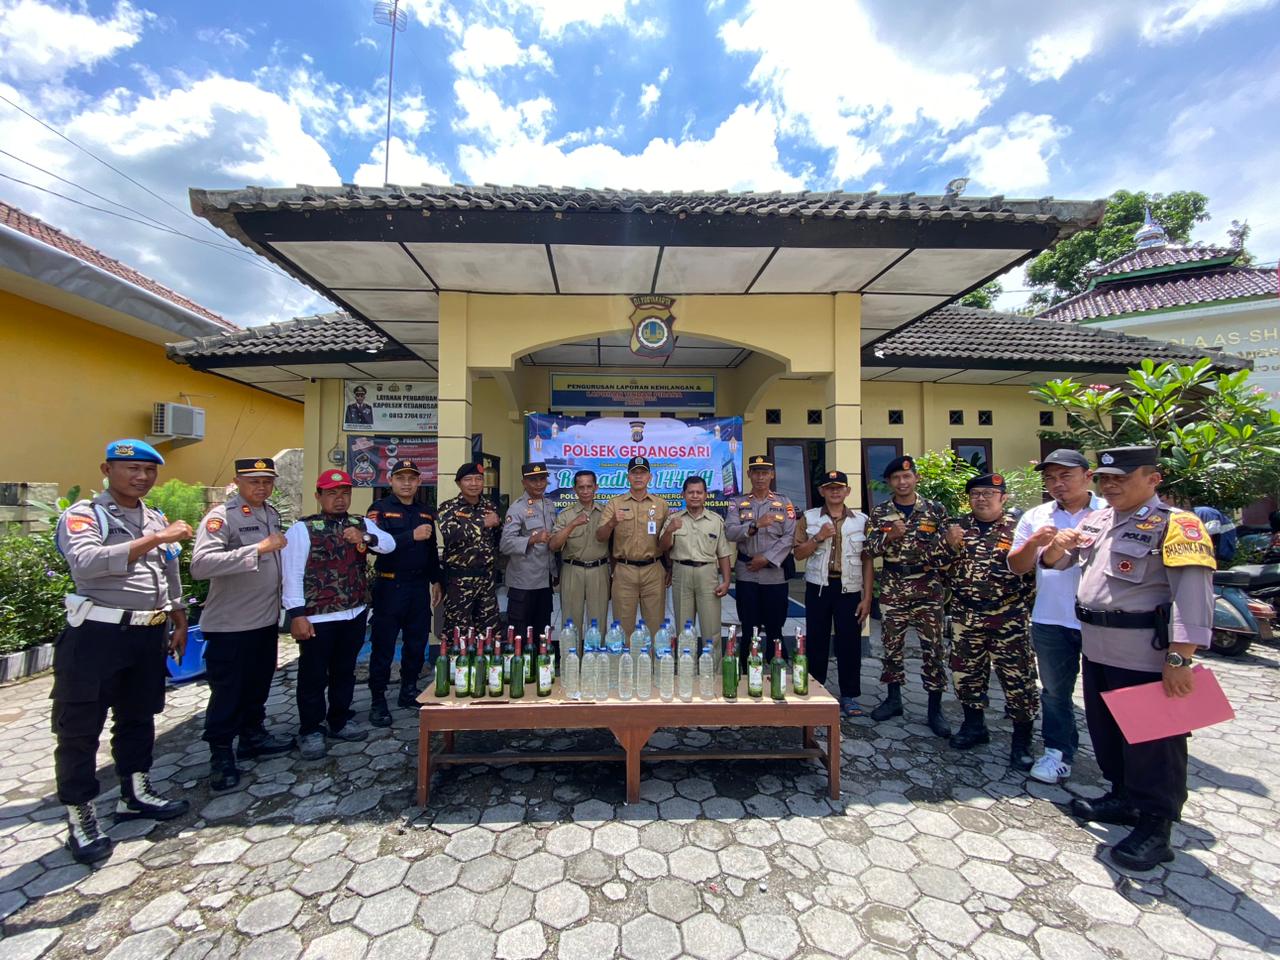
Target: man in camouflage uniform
(468,527)
(990,610)
(906,531)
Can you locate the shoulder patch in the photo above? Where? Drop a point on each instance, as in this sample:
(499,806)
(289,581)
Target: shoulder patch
(1186,543)
(246,510)
(77,523)
(213,524)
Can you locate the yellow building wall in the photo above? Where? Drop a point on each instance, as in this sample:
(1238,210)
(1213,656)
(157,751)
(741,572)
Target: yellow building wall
(71,386)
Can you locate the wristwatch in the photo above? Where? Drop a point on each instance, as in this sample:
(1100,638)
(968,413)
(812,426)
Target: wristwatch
(752,529)
(1177,660)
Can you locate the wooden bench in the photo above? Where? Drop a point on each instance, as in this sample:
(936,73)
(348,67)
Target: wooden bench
(631,722)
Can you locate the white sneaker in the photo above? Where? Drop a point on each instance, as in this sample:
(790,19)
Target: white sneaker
(1051,768)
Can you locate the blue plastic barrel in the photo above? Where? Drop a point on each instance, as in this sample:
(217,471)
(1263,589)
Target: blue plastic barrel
(192,665)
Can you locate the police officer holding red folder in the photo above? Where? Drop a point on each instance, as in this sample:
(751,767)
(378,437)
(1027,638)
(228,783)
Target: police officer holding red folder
(1145,605)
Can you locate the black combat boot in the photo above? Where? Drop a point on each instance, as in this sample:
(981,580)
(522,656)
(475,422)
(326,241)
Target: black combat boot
(1112,808)
(937,722)
(973,731)
(1147,846)
(259,743)
(1020,750)
(85,839)
(223,772)
(139,800)
(408,699)
(379,712)
(891,706)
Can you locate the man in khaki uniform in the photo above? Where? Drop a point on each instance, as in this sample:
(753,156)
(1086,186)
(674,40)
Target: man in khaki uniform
(701,553)
(634,519)
(584,578)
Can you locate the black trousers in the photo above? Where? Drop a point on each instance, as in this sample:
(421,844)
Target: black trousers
(240,665)
(529,608)
(327,663)
(822,605)
(1152,775)
(99,667)
(762,605)
(400,607)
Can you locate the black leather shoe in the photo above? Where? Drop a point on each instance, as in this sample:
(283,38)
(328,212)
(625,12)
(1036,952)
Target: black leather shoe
(1020,757)
(973,732)
(379,712)
(263,744)
(891,706)
(1108,809)
(85,839)
(408,699)
(937,722)
(1147,846)
(223,773)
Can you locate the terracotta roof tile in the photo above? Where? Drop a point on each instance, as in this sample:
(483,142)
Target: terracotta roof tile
(336,333)
(1168,255)
(1144,294)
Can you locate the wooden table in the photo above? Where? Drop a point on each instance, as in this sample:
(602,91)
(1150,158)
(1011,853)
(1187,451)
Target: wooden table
(632,723)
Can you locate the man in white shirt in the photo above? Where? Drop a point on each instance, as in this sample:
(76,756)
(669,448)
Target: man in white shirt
(326,590)
(1055,631)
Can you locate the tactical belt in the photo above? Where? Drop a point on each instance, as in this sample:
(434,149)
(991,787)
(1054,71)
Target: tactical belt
(905,569)
(127,618)
(470,572)
(635,563)
(983,606)
(695,563)
(1116,619)
(404,575)
(588,564)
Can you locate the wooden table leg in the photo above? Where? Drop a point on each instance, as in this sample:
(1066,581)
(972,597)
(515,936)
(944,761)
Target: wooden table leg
(807,738)
(833,760)
(424,760)
(633,740)
(448,741)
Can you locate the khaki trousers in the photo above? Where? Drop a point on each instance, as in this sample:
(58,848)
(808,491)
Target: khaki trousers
(693,595)
(641,587)
(584,596)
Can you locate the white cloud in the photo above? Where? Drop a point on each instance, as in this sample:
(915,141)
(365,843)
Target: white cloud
(556,16)
(485,114)
(42,42)
(435,13)
(1173,21)
(1012,157)
(224,37)
(1051,55)
(650,93)
(408,167)
(487,48)
(850,104)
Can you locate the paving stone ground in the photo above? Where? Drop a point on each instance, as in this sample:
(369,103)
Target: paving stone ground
(930,853)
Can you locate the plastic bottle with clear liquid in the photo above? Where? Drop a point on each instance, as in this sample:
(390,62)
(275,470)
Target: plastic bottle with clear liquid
(661,641)
(626,676)
(569,676)
(666,674)
(644,674)
(706,673)
(566,638)
(587,670)
(615,642)
(686,674)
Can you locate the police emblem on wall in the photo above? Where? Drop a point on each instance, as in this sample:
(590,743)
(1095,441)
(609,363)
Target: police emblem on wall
(651,326)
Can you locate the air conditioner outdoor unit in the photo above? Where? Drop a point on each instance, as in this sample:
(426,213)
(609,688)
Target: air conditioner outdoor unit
(176,421)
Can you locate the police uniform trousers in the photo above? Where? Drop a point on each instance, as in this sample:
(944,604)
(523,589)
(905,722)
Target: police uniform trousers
(693,597)
(983,641)
(762,605)
(1153,775)
(99,667)
(530,608)
(823,606)
(401,607)
(240,665)
(470,602)
(914,601)
(584,595)
(327,673)
(639,587)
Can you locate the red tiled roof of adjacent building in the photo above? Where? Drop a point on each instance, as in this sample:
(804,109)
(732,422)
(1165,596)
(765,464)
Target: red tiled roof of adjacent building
(37,229)
(1167,255)
(1161,292)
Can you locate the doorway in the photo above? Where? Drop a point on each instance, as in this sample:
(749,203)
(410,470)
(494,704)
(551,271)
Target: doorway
(795,464)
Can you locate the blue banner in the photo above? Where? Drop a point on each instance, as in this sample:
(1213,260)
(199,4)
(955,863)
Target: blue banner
(710,448)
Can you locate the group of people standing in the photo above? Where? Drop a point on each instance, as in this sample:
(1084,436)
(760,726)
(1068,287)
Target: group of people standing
(1126,584)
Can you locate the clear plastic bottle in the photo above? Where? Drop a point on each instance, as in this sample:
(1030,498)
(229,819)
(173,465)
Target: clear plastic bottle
(706,674)
(593,635)
(567,637)
(587,671)
(686,674)
(644,674)
(687,637)
(626,675)
(666,674)
(569,679)
(615,643)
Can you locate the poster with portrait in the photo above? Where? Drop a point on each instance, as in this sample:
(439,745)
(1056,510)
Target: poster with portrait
(369,458)
(390,406)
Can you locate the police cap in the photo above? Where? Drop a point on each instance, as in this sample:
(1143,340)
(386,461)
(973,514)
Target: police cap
(256,467)
(638,463)
(834,478)
(137,450)
(403,466)
(761,461)
(532,470)
(1119,461)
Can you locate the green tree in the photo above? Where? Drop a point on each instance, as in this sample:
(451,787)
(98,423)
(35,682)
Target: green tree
(1060,273)
(984,297)
(1219,441)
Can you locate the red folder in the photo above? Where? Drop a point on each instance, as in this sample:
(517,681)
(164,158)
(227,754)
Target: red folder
(1144,712)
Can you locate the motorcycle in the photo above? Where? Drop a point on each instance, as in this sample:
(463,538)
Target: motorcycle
(1238,619)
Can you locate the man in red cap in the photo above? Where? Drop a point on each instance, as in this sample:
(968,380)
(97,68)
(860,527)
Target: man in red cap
(326,589)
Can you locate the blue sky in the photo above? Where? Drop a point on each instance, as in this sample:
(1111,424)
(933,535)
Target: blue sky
(1074,100)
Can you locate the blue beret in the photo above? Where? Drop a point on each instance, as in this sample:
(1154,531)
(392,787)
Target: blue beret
(134,450)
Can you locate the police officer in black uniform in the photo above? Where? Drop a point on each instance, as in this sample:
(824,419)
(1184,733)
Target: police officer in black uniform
(406,585)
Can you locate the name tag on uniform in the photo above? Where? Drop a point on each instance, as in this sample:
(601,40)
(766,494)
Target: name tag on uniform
(653,527)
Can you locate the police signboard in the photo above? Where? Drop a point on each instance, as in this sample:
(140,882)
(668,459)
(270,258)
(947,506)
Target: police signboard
(390,406)
(602,391)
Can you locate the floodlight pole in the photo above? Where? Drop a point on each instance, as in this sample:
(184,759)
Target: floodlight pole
(391,75)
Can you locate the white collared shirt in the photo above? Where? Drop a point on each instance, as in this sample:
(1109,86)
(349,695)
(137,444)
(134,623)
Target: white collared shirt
(293,560)
(1055,589)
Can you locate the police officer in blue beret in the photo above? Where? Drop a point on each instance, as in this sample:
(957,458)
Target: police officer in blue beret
(123,557)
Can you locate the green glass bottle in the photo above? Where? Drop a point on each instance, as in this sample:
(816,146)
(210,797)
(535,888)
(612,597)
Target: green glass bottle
(462,673)
(545,676)
(517,672)
(480,669)
(508,654)
(530,656)
(778,673)
(495,686)
(442,672)
(800,667)
(755,671)
(729,675)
